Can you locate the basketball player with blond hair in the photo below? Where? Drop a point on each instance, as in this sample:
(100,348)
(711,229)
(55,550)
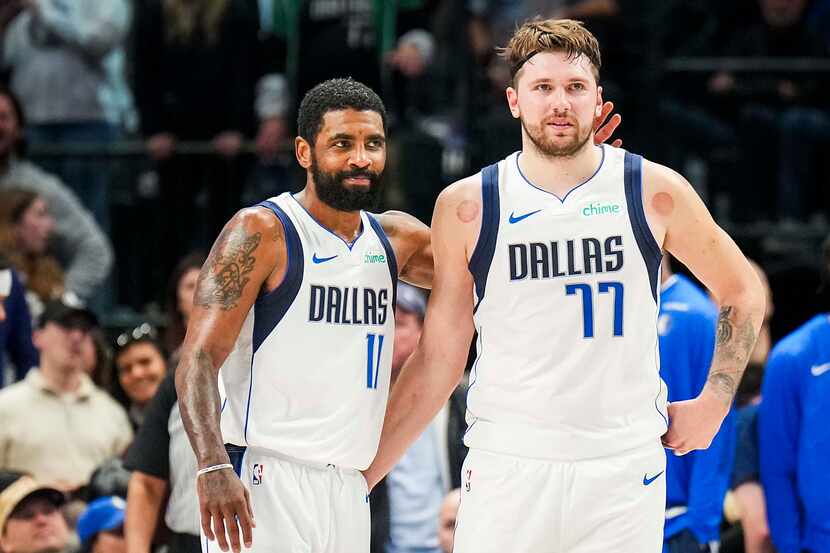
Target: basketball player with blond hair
(553,255)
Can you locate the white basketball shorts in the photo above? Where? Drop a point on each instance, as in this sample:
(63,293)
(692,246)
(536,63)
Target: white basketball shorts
(302,508)
(522,505)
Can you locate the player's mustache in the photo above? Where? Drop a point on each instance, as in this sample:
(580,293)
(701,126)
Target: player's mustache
(358,174)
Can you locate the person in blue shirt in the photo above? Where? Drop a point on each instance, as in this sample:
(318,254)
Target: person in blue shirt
(794,436)
(15,325)
(696,483)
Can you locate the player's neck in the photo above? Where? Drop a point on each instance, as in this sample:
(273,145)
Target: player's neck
(345,224)
(560,175)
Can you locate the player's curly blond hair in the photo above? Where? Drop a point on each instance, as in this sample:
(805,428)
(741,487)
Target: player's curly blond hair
(550,35)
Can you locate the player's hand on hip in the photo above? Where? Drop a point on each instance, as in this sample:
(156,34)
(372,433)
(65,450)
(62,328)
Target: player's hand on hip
(225,507)
(693,424)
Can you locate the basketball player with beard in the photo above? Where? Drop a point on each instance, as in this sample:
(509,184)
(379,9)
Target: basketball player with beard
(553,256)
(295,304)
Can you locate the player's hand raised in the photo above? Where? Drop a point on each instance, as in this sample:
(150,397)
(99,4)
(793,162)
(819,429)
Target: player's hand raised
(604,127)
(225,506)
(694,423)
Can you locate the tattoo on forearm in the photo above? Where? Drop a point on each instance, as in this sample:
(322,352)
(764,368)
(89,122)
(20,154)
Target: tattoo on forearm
(724,325)
(199,401)
(225,273)
(735,339)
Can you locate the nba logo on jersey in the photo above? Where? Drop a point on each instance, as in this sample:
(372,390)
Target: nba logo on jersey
(256,475)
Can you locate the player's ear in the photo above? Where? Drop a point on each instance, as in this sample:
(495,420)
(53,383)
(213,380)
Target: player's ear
(513,101)
(598,108)
(302,150)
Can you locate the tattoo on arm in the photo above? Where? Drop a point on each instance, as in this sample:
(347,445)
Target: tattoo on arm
(225,273)
(735,339)
(198,393)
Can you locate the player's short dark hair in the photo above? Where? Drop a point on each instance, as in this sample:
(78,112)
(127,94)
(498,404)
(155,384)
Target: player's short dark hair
(333,95)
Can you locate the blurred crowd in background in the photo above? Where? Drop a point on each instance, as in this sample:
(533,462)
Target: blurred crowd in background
(131,130)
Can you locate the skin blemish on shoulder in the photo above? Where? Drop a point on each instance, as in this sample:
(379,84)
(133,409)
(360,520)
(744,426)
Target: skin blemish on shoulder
(467,211)
(663,203)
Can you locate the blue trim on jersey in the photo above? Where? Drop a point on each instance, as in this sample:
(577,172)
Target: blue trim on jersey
(639,224)
(482,256)
(236,454)
(583,183)
(324,227)
(392,261)
(474,376)
(270,308)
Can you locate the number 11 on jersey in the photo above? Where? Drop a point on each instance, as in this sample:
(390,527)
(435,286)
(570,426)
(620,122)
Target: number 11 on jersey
(373,359)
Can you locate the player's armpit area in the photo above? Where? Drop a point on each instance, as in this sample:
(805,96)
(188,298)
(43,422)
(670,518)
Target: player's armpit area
(249,249)
(411,240)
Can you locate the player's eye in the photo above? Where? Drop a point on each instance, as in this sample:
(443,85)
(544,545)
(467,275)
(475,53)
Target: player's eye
(544,87)
(375,144)
(577,86)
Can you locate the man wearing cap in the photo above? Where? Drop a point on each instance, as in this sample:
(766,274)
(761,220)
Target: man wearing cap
(15,325)
(30,516)
(101,526)
(57,425)
(406,504)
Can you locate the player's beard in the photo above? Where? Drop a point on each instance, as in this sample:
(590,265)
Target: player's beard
(333,192)
(549,147)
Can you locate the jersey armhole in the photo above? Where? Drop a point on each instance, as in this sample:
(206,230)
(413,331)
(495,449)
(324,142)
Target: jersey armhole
(272,305)
(482,256)
(650,250)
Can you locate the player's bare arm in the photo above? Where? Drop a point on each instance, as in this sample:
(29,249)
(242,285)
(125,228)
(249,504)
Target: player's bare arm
(433,371)
(411,240)
(686,229)
(249,256)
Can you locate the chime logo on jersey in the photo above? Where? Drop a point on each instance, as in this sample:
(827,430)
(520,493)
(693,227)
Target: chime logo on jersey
(543,260)
(348,306)
(372,256)
(256,474)
(598,208)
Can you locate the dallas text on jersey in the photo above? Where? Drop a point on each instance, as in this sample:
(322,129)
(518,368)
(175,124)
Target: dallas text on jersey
(540,260)
(348,306)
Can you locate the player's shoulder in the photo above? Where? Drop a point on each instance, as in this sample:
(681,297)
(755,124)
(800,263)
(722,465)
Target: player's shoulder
(658,177)
(258,220)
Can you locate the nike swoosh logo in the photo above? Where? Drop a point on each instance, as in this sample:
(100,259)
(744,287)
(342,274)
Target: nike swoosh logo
(819,370)
(514,219)
(647,480)
(318,260)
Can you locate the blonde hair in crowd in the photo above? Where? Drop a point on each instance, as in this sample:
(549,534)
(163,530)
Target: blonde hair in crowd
(550,35)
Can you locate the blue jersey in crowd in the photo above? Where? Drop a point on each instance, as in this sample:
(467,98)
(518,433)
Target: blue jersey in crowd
(16,333)
(697,482)
(794,435)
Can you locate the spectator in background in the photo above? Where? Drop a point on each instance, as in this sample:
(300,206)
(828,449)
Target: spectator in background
(15,325)
(164,467)
(66,60)
(776,107)
(78,243)
(446,521)
(101,526)
(97,359)
(794,436)
(56,424)
(25,230)
(140,365)
(696,483)
(179,301)
(746,503)
(30,516)
(406,504)
(195,71)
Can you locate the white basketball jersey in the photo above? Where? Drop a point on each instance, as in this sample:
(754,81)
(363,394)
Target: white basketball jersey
(309,375)
(566,294)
